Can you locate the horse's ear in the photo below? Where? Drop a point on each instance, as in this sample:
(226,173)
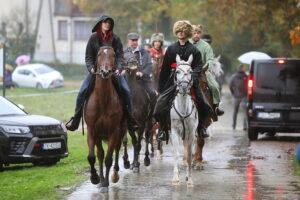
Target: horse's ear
(219,57)
(205,68)
(190,60)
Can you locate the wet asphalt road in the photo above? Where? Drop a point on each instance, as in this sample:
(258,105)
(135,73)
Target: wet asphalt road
(234,169)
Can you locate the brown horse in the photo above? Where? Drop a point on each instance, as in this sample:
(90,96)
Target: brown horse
(105,120)
(198,159)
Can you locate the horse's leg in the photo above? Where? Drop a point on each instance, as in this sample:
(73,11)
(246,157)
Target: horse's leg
(136,163)
(152,143)
(108,163)
(198,154)
(91,157)
(135,148)
(175,139)
(184,158)
(189,160)
(125,156)
(115,176)
(148,134)
(100,153)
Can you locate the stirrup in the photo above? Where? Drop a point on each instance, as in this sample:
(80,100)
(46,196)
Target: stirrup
(72,125)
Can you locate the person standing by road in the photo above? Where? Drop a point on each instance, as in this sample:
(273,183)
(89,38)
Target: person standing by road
(238,88)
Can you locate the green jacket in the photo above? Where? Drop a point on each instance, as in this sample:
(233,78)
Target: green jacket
(207,55)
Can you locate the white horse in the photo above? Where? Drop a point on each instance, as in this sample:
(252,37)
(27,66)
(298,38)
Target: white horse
(184,118)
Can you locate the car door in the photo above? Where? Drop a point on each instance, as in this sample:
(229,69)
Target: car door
(25,78)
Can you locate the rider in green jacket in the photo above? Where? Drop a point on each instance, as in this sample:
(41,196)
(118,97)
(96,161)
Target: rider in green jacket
(208,58)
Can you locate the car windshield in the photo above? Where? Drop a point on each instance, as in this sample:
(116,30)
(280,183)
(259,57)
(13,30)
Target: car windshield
(8,108)
(43,70)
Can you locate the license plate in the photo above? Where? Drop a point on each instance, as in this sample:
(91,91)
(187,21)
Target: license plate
(54,145)
(268,115)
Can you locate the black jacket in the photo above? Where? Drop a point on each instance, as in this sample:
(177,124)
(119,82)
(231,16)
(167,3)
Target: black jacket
(238,84)
(166,78)
(95,42)
(144,61)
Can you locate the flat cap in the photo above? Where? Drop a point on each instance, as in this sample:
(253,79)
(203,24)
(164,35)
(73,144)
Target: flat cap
(133,36)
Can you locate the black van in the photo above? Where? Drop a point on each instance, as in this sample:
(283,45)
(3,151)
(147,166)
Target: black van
(273,96)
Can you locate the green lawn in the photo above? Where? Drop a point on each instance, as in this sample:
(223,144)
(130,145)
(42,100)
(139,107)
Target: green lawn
(25,181)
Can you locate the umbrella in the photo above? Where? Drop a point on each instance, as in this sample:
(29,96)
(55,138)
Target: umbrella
(252,55)
(22,59)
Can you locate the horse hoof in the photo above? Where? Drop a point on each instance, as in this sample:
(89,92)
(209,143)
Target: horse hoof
(95,179)
(136,170)
(190,185)
(147,161)
(126,164)
(176,182)
(115,177)
(103,189)
(199,167)
(159,157)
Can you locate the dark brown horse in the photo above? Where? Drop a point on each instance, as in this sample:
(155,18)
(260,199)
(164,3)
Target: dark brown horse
(105,120)
(142,112)
(157,61)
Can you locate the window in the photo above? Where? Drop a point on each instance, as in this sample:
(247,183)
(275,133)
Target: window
(62,30)
(82,30)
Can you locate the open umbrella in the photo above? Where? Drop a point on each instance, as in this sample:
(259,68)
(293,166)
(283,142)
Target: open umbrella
(22,59)
(252,55)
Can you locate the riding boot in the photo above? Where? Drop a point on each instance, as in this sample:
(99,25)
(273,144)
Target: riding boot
(218,111)
(131,122)
(73,123)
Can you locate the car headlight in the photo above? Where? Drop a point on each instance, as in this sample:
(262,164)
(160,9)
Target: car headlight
(63,127)
(15,129)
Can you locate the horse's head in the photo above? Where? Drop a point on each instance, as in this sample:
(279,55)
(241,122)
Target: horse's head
(183,76)
(216,67)
(130,63)
(105,62)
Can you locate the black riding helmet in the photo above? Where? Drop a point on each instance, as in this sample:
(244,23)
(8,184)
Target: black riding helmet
(102,19)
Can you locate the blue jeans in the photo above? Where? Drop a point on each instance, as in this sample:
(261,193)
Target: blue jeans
(85,84)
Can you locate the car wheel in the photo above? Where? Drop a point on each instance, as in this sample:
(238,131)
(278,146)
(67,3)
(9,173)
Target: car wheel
(271,133)
(39,86)
(252,134)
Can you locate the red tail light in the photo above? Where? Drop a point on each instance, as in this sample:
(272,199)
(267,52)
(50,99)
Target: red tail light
(250,86)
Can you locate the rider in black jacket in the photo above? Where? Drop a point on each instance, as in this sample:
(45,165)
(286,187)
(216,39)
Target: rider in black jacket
(183,30)
(102,35)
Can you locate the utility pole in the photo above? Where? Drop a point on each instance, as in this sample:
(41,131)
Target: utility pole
(38,23)
(52,30)
(26,19)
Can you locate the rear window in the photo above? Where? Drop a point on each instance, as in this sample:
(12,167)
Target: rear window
(279,77)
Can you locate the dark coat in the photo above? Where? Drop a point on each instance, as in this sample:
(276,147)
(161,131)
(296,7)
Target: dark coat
(145,63)
(238,84)
(95,42)
(166,79)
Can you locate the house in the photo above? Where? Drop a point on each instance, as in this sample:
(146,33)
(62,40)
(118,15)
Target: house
(63,31)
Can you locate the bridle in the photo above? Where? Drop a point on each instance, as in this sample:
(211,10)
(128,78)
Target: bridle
(180,83)
(103,73)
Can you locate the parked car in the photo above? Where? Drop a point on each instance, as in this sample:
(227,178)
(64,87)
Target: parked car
(273,96)
(37,76)
(29,138)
